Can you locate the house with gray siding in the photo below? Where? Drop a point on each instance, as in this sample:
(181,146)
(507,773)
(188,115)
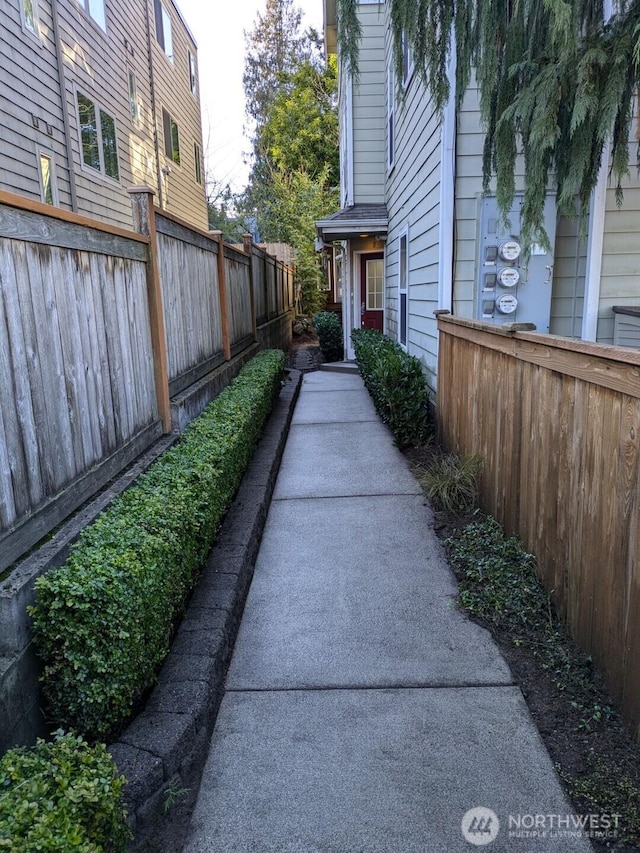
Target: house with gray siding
(415,233)
(99,96)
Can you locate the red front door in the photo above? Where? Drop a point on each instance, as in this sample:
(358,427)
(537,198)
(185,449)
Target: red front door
(372,291)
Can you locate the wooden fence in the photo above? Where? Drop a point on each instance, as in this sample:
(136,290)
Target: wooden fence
(557,423)
(99,328)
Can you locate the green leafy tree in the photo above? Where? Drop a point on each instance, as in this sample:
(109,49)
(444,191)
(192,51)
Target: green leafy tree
(223,214)
(555,80)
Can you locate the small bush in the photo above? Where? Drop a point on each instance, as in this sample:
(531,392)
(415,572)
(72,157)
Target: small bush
(397,385)
(103,621)
(451,482)
(329,331)
(61,796)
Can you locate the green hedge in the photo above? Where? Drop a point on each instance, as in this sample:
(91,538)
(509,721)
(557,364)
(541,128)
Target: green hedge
(329,329)
(103,621)
(397,385)
(61,796)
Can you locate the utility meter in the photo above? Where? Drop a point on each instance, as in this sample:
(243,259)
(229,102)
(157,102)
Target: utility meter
(508,276)
(506,303)
(514,280)
(510,250)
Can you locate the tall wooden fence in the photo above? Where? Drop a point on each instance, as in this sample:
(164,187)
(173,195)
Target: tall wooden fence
(557,423)
(99,328)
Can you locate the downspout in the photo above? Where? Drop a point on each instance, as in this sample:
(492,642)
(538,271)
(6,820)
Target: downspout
(154,117)
(63,103)
(595,241)
(447,190)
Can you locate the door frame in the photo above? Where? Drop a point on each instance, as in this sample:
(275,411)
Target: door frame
(359,258)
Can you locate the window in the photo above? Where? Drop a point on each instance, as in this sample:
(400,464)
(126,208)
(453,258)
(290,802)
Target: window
(163,29)
(171,137)
(95,9)
(30,16)
(375,293)
(197,156)
(193,78)
(407,61)
(98,138)
(134,103)
(403,288)
(390,117)
(48,181)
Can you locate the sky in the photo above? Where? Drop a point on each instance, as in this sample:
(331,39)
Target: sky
(218,28)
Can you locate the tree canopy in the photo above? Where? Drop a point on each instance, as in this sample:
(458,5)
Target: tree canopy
(557,81)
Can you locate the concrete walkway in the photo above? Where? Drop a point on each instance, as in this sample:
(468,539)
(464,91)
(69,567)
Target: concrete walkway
(363,712)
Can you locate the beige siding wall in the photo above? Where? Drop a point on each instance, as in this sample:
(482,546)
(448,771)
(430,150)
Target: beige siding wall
(97,63)
(369,110)
(620,283)
(182,195)
(30,103)
(568,279)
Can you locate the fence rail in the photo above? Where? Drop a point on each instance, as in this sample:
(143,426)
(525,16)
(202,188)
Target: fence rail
(557,423)
(99,328)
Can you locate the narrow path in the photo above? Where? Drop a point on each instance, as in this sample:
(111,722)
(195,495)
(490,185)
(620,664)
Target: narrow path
(363,711)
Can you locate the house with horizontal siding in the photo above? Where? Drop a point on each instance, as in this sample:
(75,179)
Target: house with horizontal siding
(415,233)
(99,96)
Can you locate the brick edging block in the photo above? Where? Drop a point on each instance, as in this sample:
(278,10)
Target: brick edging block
(171,735)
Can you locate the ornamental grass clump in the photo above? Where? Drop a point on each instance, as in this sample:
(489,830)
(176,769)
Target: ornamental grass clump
(103,621)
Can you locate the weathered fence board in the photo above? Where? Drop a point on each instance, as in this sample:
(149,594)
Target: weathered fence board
(238,282)
(557,423)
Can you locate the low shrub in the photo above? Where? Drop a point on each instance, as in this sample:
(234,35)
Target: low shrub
(329,329)
(451,481)
(61,796)
(103,621)
(397,385)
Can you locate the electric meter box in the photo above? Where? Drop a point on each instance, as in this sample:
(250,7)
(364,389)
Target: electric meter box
(511,287)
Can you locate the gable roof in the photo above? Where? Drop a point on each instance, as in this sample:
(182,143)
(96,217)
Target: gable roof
(355,221)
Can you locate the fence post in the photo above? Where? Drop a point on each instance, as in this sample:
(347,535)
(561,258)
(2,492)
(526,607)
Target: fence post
(247,242)
(144,222)
(222,290)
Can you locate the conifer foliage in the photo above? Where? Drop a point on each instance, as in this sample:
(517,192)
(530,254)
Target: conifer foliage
(557,80)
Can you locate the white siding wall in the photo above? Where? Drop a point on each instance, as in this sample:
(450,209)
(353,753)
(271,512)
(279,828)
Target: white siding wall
(413,201)
(369,110)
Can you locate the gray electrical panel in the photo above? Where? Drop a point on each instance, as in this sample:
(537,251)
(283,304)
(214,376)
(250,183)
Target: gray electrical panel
(511,287)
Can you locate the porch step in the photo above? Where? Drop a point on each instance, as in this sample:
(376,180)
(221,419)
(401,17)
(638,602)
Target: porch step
(340,366)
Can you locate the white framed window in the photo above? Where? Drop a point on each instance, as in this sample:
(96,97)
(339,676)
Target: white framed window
(407,61)
(375,284)
(163,28)
(193,75)
(48,178)
(391,98)
(171,137)
(403,288)
(135,110)
(98,138)
(29,14)
(95,9)
(197,157)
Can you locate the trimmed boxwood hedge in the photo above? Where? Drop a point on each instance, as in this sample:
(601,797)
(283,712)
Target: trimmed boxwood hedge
(61,796)
(397,385)
(329,329)
(103,621)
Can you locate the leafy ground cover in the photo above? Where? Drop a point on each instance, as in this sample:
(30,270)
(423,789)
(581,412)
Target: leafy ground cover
(593,752)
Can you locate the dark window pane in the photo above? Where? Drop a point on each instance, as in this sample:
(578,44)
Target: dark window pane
(88,132)
(403,318)
(157,9)
(198,160)
(175,143)
(109,146)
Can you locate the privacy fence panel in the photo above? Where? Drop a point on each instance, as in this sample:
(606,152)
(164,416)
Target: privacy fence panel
(77,385)
(270,272)
(188,268)
(259,284)
(238,280)
(557,423)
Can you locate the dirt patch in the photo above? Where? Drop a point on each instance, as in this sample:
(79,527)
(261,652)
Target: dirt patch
(597,760)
